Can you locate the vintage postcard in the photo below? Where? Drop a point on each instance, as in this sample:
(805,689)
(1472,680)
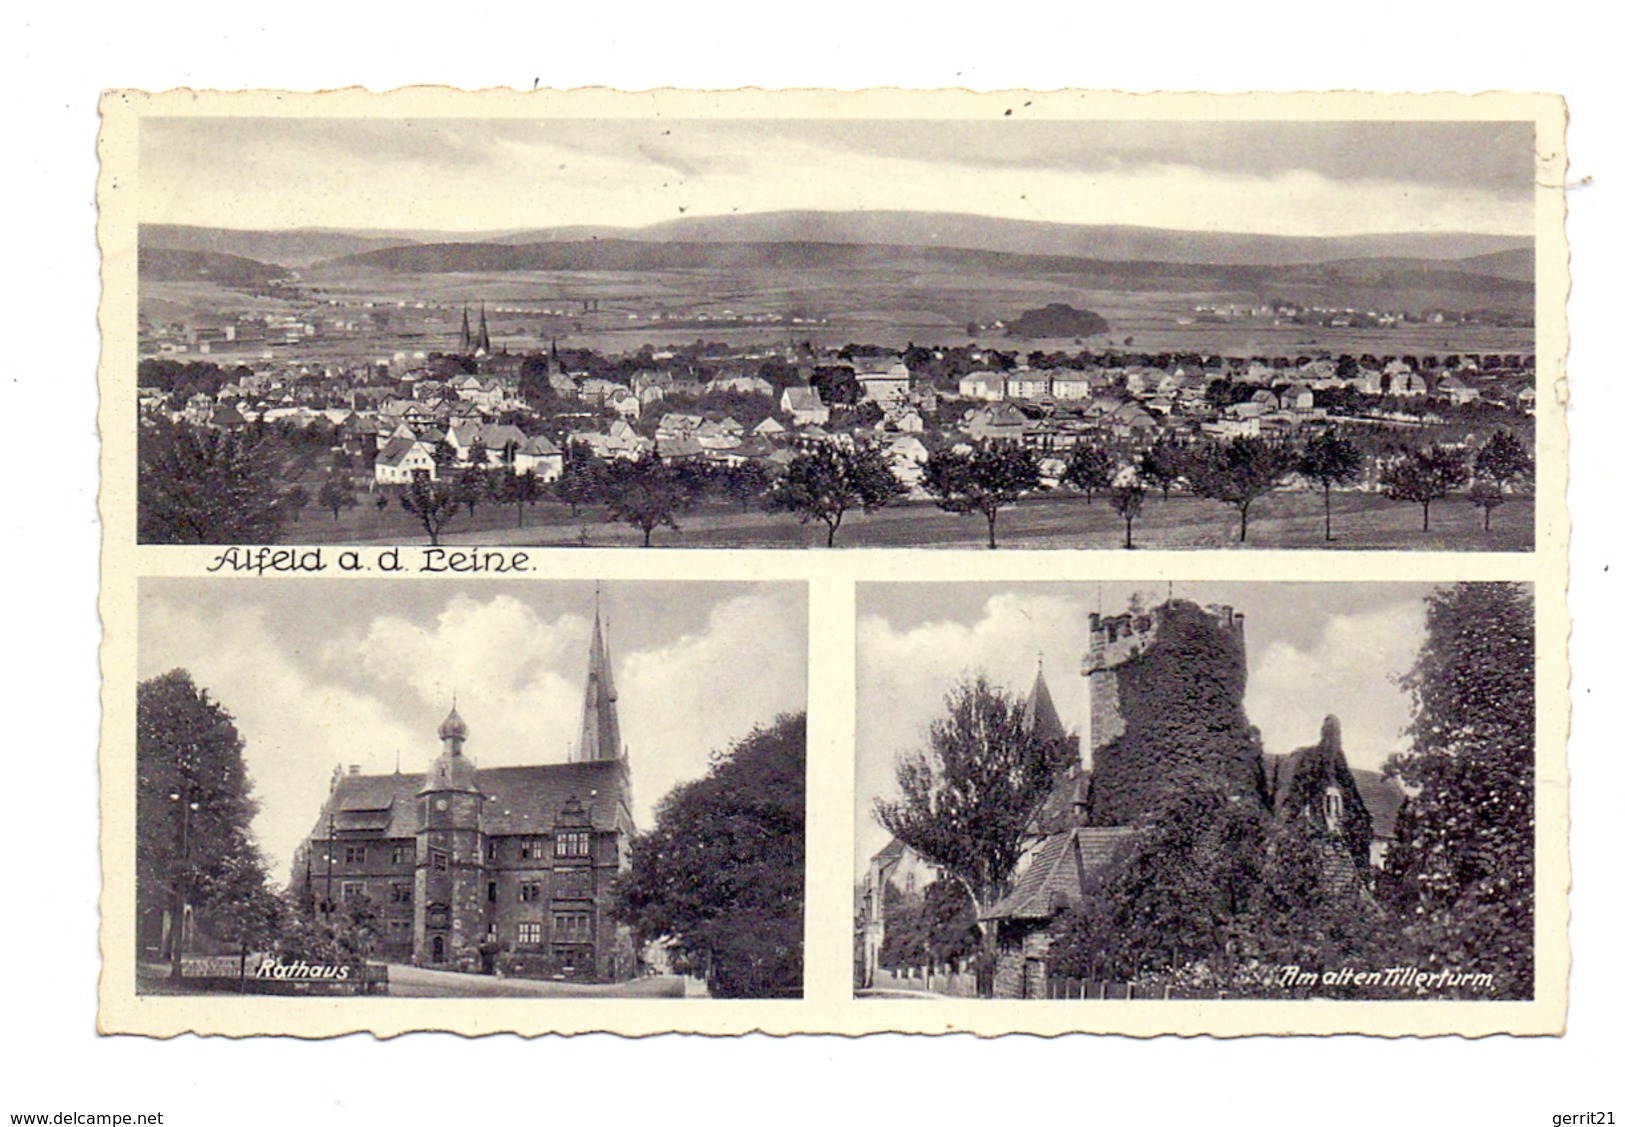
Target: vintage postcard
(558,568)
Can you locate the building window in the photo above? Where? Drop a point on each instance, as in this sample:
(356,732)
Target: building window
(403,855)
(352,890)
(490,849)
(491,892)
(572,927)
(530,935)
(530,848)
(438,861)
(572,884)
(530,891)
(572,843)
(400,893)
(355,854)
(1334,809)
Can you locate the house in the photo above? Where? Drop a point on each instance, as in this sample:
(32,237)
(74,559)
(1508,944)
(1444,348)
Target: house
(769,428)
(539,457)
(742,385)
(988,386)
(1407,384)
(1069,385)
(401,460)
(803,406)
(1027,384)
(907,456)
(1002,421)
(1458,390)
(883,381)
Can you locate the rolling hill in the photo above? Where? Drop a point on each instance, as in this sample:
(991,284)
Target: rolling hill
(295,249)
(1368,278)
(1019,236)
(162,264)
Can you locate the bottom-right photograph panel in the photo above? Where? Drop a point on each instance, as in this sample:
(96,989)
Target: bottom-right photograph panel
(1225,790)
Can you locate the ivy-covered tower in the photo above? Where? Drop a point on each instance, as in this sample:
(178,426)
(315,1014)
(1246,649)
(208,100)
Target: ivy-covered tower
(449,907)
(1165,703)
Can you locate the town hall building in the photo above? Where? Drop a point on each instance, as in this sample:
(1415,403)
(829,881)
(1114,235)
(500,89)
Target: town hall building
(468,869)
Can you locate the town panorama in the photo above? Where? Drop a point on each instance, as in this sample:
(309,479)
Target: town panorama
(864,389)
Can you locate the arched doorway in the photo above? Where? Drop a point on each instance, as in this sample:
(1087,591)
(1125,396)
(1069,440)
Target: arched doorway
(438,950)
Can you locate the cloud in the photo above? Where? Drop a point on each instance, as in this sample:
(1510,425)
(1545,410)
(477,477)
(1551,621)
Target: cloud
(1348,670)
(519,678)
(707,689)
(903,676)
(295,728)
(1335,178)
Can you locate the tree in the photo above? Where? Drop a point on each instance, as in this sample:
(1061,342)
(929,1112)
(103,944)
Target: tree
(1128,497)
(194,806)
(1329,459)
(1090,469)
(294,500)
(445,456)
(582,481)
(1162,465)
(746,482)
(966,798)
(518,490)
(474,485)
(336,494)
(721,874)
(1460,875)
(1238,472)
(1486,495)
(982,480)
(196,486)
(1501,463)
(646,493)
(828,482)
(1424,476)
(432,502)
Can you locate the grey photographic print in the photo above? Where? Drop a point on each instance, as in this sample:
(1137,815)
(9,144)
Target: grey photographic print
(1119,581)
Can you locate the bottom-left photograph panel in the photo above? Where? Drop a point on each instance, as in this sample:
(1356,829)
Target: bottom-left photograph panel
(414,788)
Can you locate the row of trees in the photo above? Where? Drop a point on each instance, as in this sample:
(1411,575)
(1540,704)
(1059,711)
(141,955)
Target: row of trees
(206,486)
(1211,893)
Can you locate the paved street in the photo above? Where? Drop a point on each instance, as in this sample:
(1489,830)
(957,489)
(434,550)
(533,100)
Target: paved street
(415,982)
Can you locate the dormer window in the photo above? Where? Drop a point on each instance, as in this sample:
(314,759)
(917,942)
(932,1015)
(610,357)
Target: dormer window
(1334,809)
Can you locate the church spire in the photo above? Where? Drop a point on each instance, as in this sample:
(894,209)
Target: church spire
(465,342)
(484,342)
(1043,720)
(600,721)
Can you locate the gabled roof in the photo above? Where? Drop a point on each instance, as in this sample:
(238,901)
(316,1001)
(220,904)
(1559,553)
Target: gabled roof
(519,800)
(1055,876)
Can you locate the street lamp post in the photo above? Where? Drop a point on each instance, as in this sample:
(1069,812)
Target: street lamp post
(177,930)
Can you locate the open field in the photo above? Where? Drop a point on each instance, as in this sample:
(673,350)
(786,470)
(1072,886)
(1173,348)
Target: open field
(1283,520)
(873,305)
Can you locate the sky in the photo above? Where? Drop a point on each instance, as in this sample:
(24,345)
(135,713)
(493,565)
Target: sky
(1312,649)
(319,673)
(1289,178)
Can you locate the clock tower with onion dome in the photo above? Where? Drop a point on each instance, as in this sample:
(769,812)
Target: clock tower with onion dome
(449,904)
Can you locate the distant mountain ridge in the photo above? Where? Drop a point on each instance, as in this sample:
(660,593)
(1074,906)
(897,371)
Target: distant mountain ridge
(1500,255)
(294,249)
(1088,273)
(1022,236)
